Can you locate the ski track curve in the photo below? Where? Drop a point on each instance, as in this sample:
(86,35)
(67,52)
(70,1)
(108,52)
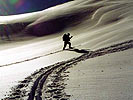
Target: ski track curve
(41,76)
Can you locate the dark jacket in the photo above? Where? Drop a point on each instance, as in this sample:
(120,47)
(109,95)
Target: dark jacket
(66,37)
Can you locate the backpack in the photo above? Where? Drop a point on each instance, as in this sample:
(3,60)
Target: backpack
(64,37)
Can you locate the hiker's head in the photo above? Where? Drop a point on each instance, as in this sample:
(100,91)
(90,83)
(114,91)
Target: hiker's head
(68,34)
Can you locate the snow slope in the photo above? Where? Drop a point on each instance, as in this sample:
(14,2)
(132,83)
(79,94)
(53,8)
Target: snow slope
(93,23)
(107,77)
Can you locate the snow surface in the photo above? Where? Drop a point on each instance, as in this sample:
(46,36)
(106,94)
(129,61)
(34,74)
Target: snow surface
(109,24)
(106,77)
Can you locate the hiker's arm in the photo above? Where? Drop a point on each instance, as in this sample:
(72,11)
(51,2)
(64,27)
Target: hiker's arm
(71,37)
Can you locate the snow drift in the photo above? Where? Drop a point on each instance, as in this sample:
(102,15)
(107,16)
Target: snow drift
(93,23)
(100,22)
(90,15)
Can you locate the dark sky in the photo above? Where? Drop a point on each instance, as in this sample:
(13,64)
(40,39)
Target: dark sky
(11,7)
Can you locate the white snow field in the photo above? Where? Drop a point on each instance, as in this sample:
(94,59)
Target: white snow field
(107,77)
(96,24)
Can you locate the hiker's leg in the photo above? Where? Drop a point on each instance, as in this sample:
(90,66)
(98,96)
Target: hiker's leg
(65,44)
(69,44)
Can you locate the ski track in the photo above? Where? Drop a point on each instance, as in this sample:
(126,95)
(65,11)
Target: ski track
(30,59)
(39,78)
(101,22)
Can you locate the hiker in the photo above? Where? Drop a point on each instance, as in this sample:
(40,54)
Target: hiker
(66,39)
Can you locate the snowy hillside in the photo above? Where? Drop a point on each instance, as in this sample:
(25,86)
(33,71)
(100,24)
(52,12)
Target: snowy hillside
(94,25)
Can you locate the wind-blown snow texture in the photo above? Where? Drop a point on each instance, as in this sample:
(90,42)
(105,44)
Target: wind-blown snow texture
(93,23)
(108,19)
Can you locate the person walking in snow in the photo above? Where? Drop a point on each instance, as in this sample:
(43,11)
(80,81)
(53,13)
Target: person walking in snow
(66,39)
